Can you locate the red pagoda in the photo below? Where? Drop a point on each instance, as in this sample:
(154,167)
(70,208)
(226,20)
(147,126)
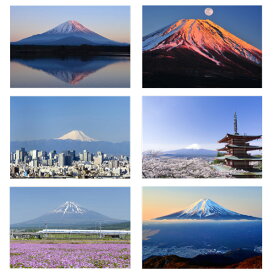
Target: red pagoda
(237,147)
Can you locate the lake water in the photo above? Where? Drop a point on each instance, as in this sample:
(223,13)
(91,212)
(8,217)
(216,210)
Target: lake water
(97,72)
(189,239)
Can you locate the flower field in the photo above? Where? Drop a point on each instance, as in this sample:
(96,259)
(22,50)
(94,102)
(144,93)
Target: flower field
(64,255)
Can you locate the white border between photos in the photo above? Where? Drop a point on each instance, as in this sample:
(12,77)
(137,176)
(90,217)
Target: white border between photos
(136,93)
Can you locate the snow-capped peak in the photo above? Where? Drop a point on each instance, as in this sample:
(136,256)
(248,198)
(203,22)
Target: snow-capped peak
(76,135)
(206,208)
(70,207)
(70,26)
(193,146)
(202,37)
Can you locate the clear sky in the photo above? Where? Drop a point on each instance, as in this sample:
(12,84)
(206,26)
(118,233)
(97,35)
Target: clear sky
(102,118)
(160,201)
(242,21)
(197,122)
(112,22)
(31,202)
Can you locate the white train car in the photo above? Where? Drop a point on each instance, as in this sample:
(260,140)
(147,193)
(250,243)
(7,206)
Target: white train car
(101,233)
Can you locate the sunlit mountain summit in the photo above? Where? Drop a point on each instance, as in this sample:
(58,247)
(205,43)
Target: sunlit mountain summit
(203,37)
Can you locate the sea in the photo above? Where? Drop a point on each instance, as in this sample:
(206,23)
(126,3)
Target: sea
(191,238)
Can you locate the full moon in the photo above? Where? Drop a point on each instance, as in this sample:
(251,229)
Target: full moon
(208,11)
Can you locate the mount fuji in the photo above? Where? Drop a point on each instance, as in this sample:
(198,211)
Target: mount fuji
(70,33)
(76,135)
(206,209)
(191,153)
(202,52)
(70,214)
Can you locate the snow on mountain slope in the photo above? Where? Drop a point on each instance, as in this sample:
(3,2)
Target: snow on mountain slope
(203,37)
(70,207)
(206,209)
(76,135)
(69,27)
(68,33)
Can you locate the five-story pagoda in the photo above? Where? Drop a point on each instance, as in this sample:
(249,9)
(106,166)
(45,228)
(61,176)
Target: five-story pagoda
(237,147)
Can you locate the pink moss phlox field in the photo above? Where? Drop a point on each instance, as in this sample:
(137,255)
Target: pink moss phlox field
(32,255)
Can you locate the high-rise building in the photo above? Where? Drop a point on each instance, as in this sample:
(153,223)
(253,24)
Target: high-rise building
(19,154)
(85,155)
(61,160)
(52,154)
(98,159)
(34,154)
(81,157)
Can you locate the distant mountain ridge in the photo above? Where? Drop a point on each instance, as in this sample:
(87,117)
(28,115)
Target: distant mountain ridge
(191,153)
(70,214)
(119,148)
(69,33)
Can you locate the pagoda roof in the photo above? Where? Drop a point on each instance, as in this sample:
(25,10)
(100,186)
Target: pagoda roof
(230,157)
(236,136)
(248,147)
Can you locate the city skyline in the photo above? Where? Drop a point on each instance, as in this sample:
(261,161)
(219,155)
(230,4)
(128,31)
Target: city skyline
(110,21)
(242,21)
(171,123)
(101,118)
(110,201)
(161,201)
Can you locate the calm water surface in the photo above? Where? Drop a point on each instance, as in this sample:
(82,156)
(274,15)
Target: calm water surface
(98,72)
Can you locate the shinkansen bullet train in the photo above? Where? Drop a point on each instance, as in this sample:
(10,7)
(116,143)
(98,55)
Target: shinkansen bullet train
(76,231)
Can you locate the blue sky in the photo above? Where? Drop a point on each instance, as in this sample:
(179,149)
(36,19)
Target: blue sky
(102,118)
(31,202)
(112,22)
(242,21)
(198,122)
(158,201)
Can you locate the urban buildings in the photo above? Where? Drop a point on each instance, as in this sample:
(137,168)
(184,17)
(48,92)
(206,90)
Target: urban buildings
(68,164)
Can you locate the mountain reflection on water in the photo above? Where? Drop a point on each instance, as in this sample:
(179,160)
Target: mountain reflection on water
(103,71)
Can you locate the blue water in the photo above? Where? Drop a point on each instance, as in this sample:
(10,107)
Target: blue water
(188,239)
(97,72)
